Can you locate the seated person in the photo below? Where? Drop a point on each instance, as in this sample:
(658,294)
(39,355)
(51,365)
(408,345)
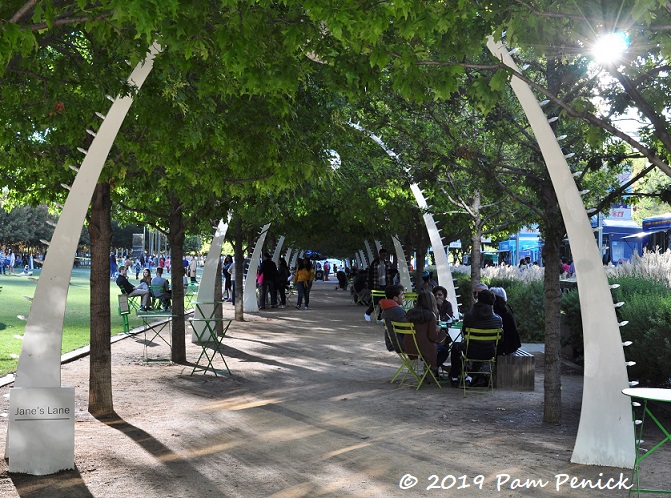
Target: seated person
(26,272)
(359,288)
(445,313)
(427,283)
(165,294)
(131,290)
(429,337)
(481,316)
(392,311)
(510,342)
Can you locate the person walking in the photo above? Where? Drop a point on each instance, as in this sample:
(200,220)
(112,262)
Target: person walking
(282,281)
(303,281)
(268,269)
(12,261)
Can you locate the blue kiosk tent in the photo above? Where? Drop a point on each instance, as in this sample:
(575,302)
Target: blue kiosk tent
(656,233)
(526,243)
(616,238)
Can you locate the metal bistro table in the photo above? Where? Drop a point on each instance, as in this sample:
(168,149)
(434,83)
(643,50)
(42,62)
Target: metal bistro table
(646,394)
(156,325)
(208,335)
(452,329)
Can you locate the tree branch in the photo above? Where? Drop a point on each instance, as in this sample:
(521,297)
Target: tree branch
(596,121)
(23,11)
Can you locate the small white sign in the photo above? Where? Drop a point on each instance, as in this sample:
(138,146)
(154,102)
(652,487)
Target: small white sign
(41,430)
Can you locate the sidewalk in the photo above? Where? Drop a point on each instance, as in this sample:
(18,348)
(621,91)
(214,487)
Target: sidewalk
(308,410)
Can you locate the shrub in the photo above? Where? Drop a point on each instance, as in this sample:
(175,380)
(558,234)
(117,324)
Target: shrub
(572,318)
(647,310)
(526,300)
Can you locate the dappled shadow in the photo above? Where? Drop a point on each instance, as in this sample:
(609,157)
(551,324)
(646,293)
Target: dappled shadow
(175,463)
(65,484)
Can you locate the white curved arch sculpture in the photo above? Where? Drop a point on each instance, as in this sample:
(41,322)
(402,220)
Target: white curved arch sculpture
(606,433)
(442,265)
(278,250)
(43,449)
(369,252)
(250,302)
(378,245)
(209,278)
(362,260)
(294,260)
(404,273)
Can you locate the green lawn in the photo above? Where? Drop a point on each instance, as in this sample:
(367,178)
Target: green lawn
(76,327)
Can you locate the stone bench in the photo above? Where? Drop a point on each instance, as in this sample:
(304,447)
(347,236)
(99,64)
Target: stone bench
(516,371)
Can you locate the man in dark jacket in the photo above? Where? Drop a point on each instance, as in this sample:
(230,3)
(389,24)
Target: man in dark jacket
(481,316)
(392,311)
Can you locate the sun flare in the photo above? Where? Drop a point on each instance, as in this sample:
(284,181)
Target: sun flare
(610,47)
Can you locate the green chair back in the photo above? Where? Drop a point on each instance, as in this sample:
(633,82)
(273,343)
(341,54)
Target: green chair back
(411,363)
(474,335)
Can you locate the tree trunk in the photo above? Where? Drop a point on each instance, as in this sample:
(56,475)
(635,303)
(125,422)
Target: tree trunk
(553,234)
(238,257)
(422,247)
(476,242)
(219,298)
(100,373)
(176,238)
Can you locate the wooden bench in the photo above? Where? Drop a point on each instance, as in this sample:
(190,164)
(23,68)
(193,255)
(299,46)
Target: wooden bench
(516,371)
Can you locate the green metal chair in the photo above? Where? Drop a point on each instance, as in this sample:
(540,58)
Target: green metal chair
(376,295)
(411,363)
(468,364)
(133,301)
(409,300)
(156,302)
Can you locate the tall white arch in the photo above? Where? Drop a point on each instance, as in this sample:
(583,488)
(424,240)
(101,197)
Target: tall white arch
(294,259)
(209,279)
(250,303)
(362,260)
(369,252)
(278,250)
(404,273)
(442,265)
(606,433)
(45,450)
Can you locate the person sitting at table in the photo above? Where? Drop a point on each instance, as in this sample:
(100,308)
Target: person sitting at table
(445,313)
(510,341)
(430,337)
(130,290)
(164,294)
(480,316)
(146,279)
(393,311)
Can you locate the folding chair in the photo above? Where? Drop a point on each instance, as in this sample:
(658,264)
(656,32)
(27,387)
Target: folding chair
(411,362)
(362,298)
(133,301)
(190,291)
(468,364)
(158,302)
(376,295)
(409,300)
